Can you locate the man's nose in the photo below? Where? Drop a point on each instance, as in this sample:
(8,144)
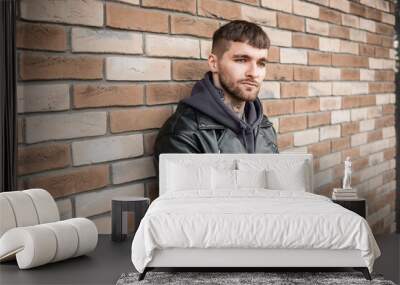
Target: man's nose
(252,70)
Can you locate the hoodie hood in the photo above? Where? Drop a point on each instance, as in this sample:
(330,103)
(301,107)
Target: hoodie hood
(208,99)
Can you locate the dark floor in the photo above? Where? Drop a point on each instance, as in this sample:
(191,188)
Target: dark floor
(110,260)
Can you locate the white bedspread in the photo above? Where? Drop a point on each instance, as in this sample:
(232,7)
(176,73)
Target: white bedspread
(250,218)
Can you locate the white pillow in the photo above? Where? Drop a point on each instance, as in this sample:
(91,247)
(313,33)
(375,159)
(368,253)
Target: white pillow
(282,174)
(182,177)
(251,178)
(224,179)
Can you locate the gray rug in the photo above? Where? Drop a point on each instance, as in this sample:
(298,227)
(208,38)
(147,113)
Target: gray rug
(230,278)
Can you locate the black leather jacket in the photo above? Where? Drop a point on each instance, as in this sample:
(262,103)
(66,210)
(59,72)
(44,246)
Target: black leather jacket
(190,131)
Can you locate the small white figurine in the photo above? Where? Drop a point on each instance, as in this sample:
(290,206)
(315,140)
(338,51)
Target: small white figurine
(347,174)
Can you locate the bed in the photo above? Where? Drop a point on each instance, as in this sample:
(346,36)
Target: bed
(247,210)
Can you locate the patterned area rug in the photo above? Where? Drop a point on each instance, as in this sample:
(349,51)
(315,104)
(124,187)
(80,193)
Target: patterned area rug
(230,278)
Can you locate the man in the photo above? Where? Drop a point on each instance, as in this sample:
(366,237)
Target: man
(223,113)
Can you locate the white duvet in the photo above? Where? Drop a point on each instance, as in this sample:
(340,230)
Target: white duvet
(251,218)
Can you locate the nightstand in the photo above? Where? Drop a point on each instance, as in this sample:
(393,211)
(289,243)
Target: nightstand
(358,206)
(120,208)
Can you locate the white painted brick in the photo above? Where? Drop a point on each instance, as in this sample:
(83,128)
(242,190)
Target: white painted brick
(392,53)
(367,25)
(330,103)
(97,202)
(328,44)
(90,40)
(341,88)
(367,75)
(134,169)
(270,89)
(323,177)
(43,97)
(349,47)
(329,132)
(375,63)
(358,35)
(103,224)
(135,2)
(330,160)
(107,149)
(282,5)
(65,126)
(375,159)
(319,88)
(372,171)
(382,99)
(321,2)
(340,116)
(374,112)
(306,137)
(279,37)
(259,16)
(392,98)
(82,12)
(291,55)
(367,125)
(359,114)
(358,88)
(350,21)
(389,64)
(157,45)
(359,139)
(317,27)
(305,9)
(341,5)
(205,48)
(373,147)
(137,69)
(388,132)
(329,73)
(64,208)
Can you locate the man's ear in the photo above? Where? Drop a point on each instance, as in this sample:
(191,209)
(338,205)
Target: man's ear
(213,62)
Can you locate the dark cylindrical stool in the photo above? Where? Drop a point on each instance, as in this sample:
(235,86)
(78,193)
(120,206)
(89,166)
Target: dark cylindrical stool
(120,208)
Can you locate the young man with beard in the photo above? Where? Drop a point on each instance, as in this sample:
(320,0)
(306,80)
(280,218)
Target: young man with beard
(223,113)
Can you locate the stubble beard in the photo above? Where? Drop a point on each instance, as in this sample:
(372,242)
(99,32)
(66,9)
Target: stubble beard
(235,91)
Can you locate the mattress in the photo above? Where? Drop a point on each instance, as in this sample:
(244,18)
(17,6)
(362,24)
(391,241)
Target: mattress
(252,219)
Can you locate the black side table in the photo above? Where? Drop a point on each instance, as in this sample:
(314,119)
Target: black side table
(120,207)
(358,206)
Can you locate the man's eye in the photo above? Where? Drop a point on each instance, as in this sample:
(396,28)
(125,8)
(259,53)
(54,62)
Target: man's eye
(262,64)
(240,60)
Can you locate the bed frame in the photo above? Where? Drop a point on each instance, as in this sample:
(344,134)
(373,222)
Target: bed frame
(249,258)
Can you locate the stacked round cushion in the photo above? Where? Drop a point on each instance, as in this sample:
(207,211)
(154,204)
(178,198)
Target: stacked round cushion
(31,230)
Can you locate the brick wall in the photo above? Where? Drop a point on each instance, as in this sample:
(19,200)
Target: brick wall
(98,78)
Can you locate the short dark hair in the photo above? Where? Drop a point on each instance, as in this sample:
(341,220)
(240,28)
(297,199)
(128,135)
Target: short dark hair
(239,31)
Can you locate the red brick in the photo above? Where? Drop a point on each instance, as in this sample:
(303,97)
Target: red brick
(350,128)
(279,72)
(328,15)
(43,157)
(358,9)
(388,109)
(305,41)
(306,73)
(382,52)
(339,32)
(350,74)
(133,18)
(366,50)
(73,181)
(277,107)
(385,121)
(319,58)
(384,29)
(384,75)
(166,93)
(187,25)
(34,67)
(306,105)
(138,119)
(189,69)
(374,136)
(41,36)
(188,6)
(353,153)
(290,22)
(374,39)
(347,60)
(290,90)
(320,149)
(389,153)
(273,54)
(319,119)
(86,96)
(285,141)
(292,123)
(219,9)
(340,144)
